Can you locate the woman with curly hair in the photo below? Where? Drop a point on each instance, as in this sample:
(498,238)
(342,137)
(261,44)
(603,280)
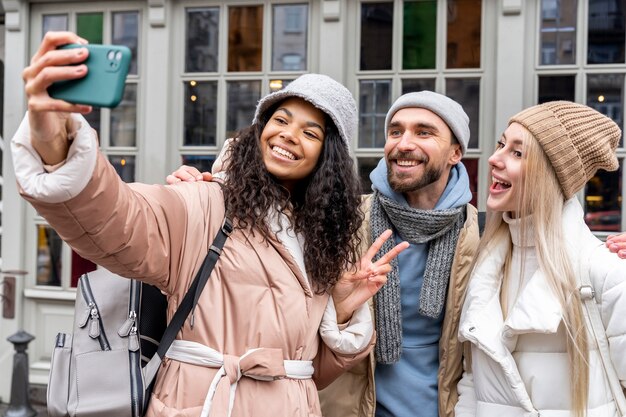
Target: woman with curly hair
(541,278)
(278,319)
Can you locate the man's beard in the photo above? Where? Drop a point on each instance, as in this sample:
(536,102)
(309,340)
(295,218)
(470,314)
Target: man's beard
(430,175)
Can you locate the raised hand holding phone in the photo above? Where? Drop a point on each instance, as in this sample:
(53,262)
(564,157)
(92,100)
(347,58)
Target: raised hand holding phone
(103,85)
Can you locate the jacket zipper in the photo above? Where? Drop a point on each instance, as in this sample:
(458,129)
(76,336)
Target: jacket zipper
(94,314)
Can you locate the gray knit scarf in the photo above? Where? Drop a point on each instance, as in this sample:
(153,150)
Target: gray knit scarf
(441,228)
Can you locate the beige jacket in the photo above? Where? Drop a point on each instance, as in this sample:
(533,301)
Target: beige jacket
(256,297)
(353,394)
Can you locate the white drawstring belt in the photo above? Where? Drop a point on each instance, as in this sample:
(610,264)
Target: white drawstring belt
(262,364)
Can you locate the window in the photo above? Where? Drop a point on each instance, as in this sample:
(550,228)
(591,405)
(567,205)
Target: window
(229,66)
(565,73)
(414,45)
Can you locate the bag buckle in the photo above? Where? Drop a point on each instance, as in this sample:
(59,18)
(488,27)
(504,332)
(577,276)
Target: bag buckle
(586,292)
(227,226)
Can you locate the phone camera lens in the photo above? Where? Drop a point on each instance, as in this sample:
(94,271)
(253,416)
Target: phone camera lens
(118,56)
(111,55)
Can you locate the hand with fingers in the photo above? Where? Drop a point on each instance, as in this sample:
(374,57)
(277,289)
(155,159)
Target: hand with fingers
(617,244)
(355,288)
(188,174)
(49,118)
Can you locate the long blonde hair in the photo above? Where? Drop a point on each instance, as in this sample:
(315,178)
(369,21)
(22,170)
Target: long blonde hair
(542,197)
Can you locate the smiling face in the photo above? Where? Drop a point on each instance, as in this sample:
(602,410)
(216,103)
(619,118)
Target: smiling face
(419,151)
(507,168)
(292,141)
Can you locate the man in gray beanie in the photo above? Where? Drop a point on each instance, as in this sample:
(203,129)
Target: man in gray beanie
(421,192)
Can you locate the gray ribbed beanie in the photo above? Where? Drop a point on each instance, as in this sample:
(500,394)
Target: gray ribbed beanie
(449,110)
(324,93)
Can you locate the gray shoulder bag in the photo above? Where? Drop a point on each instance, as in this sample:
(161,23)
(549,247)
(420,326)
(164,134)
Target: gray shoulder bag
(108,365)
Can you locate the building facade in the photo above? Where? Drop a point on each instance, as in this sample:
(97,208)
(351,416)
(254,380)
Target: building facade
(199,67)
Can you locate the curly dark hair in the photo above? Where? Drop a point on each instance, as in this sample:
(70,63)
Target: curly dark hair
(324,208)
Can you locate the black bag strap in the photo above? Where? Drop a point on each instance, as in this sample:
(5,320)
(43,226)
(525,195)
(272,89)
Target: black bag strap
(191,298)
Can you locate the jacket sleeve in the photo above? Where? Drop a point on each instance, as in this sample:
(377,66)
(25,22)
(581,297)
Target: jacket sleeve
(466,406)
(613,308)
(136,231)
(342,346)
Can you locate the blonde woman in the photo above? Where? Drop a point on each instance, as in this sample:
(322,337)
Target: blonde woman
(532,353)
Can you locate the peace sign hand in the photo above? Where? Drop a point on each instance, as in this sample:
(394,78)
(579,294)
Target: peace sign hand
(355,288)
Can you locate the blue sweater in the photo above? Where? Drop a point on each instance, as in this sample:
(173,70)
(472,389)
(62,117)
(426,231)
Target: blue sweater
(408,388)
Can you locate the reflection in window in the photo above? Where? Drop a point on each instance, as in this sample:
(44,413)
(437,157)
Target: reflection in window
(603,201)
(419,40)
(203,163)
(374,101)
(365,166)
(126,32)
(277,85)
(242,97)
(80,266)
(200,113)
(466,91)
(376,35)
(124,166)
(558,32)
(472,171)
(556,87)
(463,49)
(606,34)
(604,93)
(201,43)
(124,119)
(89,26)
(418,84)
(245,38)
(48,256)
(289,37)
(54,22)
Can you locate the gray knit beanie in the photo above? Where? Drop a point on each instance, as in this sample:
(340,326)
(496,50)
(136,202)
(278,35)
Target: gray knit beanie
(449,110)
(324,93)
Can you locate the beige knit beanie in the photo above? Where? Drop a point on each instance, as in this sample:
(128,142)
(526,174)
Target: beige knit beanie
(577,139)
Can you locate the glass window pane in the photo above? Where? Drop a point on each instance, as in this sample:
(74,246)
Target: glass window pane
(124,119)
(245,38)
(94,119)
(604,93)
(466,91)
(463,49)
(289,37)
(126,32)
(80,266)
(556,87)
(200,113)
(419,37)
(277,85)
(49,246)
(603,199)
(606,32)
(558,32)
(418,84)
(472,171)
(374,101)
(365,166)
(125,166)
(89,26)
(201,42)
(242,97)
(54,22)
(376,35)
(203,163)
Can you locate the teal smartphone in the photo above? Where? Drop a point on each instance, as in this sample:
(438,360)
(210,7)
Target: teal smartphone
(103,86)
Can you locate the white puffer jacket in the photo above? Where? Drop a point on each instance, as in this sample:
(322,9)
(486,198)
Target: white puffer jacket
(520,365)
